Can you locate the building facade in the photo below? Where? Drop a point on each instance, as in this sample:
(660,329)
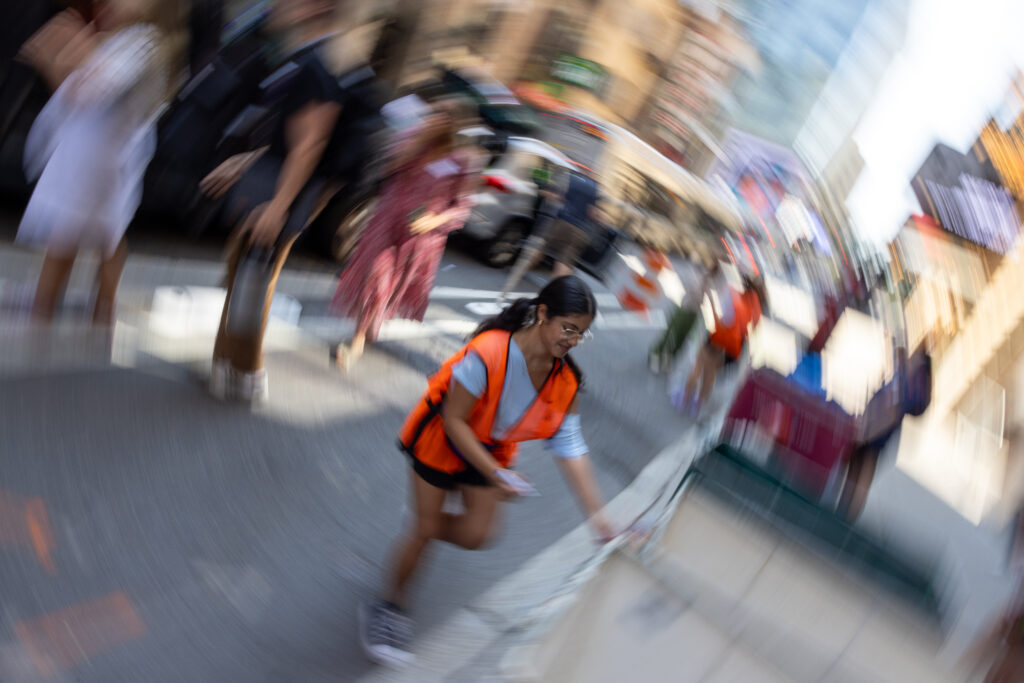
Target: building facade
(964,263)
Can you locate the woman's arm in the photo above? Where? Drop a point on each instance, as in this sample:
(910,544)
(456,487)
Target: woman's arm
(455,211)
(457,407)
(221,179)
(307,132)
(59,47)
(579,472)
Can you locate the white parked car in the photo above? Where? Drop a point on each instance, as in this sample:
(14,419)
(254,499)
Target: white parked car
(504,203)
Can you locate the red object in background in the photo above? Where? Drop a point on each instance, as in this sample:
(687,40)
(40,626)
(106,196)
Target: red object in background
(536,96)
(812,437)
(926,223)
(746,312)
(499,184)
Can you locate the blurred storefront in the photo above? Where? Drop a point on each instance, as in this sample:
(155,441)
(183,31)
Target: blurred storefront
(963,259)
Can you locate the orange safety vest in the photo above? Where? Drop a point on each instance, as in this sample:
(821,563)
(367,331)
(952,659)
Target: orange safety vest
(746,311)
(423,436)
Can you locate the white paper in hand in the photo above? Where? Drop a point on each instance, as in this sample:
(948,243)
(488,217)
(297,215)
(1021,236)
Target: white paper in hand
(521,486)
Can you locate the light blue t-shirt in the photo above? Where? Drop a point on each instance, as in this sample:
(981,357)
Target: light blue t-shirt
(516,396)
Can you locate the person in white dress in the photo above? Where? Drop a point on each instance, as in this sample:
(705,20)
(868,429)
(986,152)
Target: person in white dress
(90,145)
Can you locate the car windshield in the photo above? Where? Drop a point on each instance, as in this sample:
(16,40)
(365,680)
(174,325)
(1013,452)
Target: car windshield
(515,118)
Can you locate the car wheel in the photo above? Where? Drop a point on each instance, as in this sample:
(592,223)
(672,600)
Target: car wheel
(346,234)
(503,249)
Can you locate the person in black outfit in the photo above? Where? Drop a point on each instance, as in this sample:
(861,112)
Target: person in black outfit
(206,18)
(278,191)
(565,236)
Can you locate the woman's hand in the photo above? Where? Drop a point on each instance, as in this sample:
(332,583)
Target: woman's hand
(262,226)
(268,224)
(505,490)
(221,179)
(510,485)
(604,531)
(428,222)
(423,224)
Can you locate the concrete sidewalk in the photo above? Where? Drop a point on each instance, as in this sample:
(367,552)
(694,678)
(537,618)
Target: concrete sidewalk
(483,640)
(489,636)
(743,602)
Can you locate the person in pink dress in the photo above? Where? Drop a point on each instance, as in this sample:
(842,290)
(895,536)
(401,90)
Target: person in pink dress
(393,268)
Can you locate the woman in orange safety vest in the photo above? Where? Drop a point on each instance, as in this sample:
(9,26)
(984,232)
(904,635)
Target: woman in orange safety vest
(724,344)
(514,381)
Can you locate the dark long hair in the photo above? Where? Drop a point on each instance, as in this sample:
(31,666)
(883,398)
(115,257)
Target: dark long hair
(568,295)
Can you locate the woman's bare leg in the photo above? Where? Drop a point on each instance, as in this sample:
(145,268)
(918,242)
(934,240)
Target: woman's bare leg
(109,278)
(474,527)
(858,482)
(469,530)
(380,288)
(698,371)
(712,364)
(427,502)
(52,280)
(345,356)
(528,258)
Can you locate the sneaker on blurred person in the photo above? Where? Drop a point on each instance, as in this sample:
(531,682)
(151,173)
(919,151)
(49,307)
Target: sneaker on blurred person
(228,384)
(385,633)
(252,387)
(220,379)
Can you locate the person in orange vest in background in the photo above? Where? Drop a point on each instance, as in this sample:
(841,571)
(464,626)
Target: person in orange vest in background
(697,279)
(734,317)
(514,381)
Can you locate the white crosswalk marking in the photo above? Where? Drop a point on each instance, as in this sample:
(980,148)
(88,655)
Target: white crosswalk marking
(178,324)
(605,300)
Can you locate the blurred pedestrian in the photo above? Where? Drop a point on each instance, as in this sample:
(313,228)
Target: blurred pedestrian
(565,238)
(698,279)
(735,314)
(276,191)
(908,392)
(425,197)
(546,203)
(514,381)
(90,145)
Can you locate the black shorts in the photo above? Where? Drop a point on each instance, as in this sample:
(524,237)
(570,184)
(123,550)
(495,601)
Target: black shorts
(448,481)
(257,186)
(561,240)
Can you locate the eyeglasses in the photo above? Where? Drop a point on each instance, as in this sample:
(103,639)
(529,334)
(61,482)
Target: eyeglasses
(572,334)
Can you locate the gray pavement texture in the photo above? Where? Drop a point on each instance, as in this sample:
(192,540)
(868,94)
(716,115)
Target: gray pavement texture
(211,543)
(237,544)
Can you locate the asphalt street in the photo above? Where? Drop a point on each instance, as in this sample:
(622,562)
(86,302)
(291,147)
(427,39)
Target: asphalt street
(149,533)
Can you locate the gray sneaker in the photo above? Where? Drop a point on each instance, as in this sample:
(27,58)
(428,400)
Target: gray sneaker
(386,634)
